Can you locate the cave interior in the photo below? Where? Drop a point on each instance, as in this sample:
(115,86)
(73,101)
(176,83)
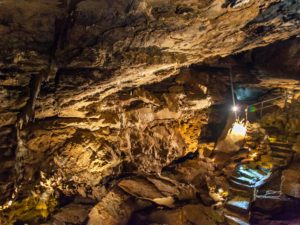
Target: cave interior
(149,112)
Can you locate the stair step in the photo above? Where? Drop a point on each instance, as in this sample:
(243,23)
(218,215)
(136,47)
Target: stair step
(272,157)
(282,155)
(244,180)
(280,144)
(245,174)
(241,186)
(260,173)
(235,219)
(281,149)
(279,162)
(268,194)
(251,173)
(246,186)
(239,204)
(264,171)
(241,192)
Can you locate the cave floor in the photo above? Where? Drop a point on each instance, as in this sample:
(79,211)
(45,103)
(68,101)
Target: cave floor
(249,177)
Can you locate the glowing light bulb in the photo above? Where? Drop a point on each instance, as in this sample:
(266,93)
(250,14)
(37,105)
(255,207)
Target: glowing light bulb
(235,108)
(239,129)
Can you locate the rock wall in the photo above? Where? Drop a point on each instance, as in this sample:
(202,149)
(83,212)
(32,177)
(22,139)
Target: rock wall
(93,90)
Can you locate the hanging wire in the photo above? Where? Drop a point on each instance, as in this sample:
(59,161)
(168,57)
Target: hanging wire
(232,91)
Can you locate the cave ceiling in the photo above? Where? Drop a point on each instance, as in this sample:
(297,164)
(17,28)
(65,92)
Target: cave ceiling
(123,44)
(91,90)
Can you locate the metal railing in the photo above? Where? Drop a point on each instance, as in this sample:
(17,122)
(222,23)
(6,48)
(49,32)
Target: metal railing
(264,104)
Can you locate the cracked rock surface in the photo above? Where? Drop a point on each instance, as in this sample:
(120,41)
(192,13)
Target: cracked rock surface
(109,108)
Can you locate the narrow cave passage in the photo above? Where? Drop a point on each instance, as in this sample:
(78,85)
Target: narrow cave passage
(143,112)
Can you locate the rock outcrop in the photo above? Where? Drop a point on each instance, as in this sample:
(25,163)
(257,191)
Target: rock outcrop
(99,97)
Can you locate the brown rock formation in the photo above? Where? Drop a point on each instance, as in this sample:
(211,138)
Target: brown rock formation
(98,96)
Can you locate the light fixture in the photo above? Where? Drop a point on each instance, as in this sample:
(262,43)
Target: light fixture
(235,108)
(238,129)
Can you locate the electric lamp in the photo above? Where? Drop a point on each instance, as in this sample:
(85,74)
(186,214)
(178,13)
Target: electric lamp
(235,108)
(238,129)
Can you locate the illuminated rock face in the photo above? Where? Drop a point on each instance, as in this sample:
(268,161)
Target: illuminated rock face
(290,183)
(93,90)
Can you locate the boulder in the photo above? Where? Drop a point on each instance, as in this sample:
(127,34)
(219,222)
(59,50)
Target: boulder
(72,214)
(114,209)
(290,183)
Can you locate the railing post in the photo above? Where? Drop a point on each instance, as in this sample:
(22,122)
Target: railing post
(286,98)
(261,109)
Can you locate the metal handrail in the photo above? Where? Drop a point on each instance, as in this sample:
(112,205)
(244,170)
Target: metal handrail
(268,106)
(268,100)
(285,97)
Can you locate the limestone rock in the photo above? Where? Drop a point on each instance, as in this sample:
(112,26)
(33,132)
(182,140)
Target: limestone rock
(114,209)
(72,214)
(191,213)
(161,191)
(91,90)
(290,184)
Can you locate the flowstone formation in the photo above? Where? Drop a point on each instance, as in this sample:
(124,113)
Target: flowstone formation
(111,110)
